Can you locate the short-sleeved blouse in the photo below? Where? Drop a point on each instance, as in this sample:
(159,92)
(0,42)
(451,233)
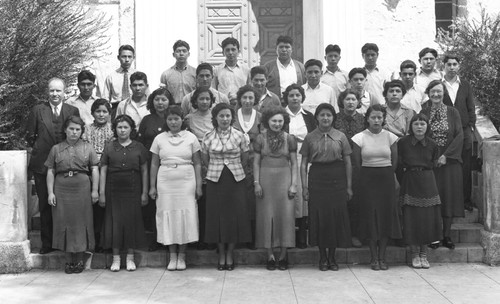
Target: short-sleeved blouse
(327,147)
(98,136)
(200,123)
(120,158)
(258,146)
(375,148)
(64,157)
(224,149)
(175,148)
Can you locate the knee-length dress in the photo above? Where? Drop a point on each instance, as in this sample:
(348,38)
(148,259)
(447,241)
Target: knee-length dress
(275,220)
(123,224)
(327,184)
(72,216)
(176,210)
(447,132)
(378,205)
(227,216)
(419,196)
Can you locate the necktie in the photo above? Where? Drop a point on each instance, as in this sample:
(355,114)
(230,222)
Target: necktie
(56,112)
(125,90)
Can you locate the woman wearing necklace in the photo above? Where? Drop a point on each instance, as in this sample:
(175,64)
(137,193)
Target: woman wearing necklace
(446,127)
(328,187)
(225,151)
(123,190)
(72,193)
(152,125)
(98,134)
(275,173)
(175,184)
(375,153)
(248,121)
(301,123)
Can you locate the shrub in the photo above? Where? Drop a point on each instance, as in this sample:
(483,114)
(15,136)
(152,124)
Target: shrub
(478,44)
(40,40)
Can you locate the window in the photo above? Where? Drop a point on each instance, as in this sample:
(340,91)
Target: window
(447,11)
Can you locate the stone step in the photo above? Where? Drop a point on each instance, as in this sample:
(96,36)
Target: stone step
(470,217)
(463,253)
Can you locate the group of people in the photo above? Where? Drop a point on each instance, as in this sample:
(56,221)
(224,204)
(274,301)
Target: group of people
(277,156)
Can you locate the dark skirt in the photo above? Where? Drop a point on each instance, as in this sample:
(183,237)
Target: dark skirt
(378,207)
(123,226)
(72,216)
(449,181)
(422,225)
(227,218)
(328,216)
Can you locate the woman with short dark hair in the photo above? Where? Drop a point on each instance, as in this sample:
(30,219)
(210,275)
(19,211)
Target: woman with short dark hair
(72,193)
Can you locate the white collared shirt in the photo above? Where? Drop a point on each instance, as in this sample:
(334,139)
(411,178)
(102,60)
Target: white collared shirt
(228,80)
(322,93)
(84,107)
(414,98)
(297,126)
(288,74)
(375,81)
(422,79)
(133,109)
(336,80)
(452,88)
(59,106)
(366,101)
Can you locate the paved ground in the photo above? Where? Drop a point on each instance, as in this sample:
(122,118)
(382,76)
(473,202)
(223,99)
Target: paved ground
(443,283)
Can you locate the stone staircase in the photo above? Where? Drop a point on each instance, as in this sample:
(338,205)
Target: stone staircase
(466,233)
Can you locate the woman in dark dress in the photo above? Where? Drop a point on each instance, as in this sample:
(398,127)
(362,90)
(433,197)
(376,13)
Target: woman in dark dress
(446,127)
(329,186)
(375,152)
(419,196)
(152,125)
(71,194)
(225,152)
(123,190)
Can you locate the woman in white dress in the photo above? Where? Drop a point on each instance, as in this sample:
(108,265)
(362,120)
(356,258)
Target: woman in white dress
(176,184)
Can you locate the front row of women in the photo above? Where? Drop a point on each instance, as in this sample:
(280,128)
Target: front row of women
(176,183)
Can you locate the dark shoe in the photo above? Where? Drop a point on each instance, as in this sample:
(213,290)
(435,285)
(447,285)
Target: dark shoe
(45,250)
(221,267)
(283,264)
(211,246)
(99,249)
(469,207)
(251,246)
(271,264)
(201,246)
(323,265)
(375,265)
(78,268)
(383,265)
(448,243)
(68,268)
(333,266)
(433,245)
(301,245)
(230,267)
(154,246)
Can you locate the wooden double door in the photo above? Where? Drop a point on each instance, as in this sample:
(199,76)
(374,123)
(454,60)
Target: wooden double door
(255,23)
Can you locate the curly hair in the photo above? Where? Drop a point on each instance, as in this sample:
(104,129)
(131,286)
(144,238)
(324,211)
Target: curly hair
(396,83)
(160,91)
(270,112)
(196,94)
(343,95)
(244,89)
(291,87)
(219,107)
(375,107)
(127,119)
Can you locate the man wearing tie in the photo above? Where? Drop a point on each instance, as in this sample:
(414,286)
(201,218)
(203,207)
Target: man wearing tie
(117,85)
(44,130)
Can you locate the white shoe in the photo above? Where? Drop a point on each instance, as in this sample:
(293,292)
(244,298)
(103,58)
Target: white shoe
(181,261)
(425,263)
(130,262)
(172,265)
(115,267)
(416,263)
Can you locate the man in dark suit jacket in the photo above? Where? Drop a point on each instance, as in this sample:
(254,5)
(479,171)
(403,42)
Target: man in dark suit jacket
(462,98)
(44,130)
(284,71)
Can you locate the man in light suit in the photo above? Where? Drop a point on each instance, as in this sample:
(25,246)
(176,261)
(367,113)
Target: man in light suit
(44,130)
(284,71)
(461,97)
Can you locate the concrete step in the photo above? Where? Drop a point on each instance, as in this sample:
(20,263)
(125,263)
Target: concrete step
(463,253)
(470,217)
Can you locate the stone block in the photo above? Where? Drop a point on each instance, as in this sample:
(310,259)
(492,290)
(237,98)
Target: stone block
(470,217)
(491,244)
(445,255)
(14,257)
(491,174)
(475,253)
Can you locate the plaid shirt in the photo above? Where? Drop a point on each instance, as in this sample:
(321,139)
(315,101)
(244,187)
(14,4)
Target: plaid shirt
(224,149)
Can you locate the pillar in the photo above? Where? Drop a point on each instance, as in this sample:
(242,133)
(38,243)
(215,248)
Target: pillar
(14,243)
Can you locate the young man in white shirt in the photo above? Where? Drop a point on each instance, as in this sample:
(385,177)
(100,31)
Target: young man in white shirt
(117,86)
(333,75)
(84,100)
(375,77)
(414,97)
(136,105)
(357,81)
(427,72)
(317,92)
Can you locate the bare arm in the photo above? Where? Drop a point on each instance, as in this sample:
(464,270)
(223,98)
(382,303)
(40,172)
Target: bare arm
(256,175)
(153,174)
(95,184)
(50,186)
(102,186)
(394,156)
(348,173)
(292,191)
(197,174)
(303,176)
(145,184)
